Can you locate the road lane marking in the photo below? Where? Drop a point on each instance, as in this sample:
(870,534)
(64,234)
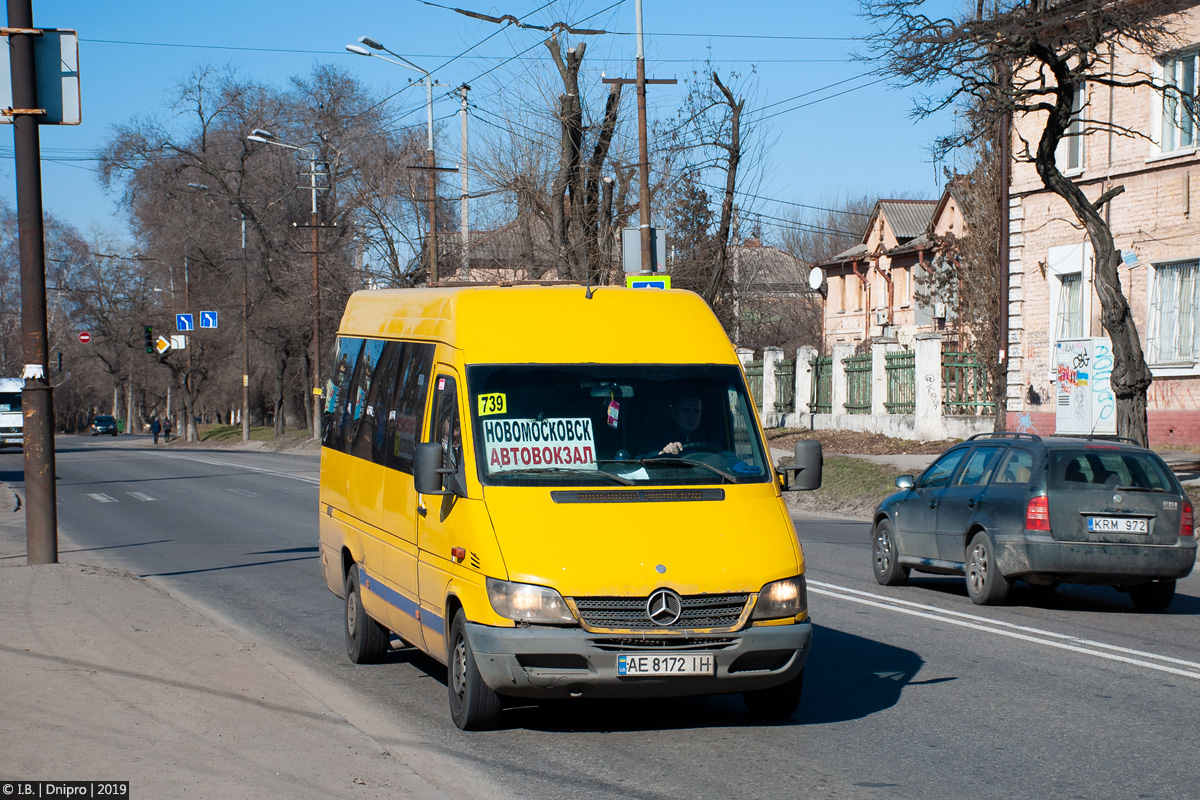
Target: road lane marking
(145,498)
(215,463)
(101,498)
(1125,655)
(242,492)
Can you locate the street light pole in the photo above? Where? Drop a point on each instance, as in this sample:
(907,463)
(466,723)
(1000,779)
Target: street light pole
(430,161)
(245,339)
(266,137)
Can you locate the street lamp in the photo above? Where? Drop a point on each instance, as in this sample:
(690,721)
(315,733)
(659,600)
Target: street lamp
(266,137)
(430,161)
(245,326)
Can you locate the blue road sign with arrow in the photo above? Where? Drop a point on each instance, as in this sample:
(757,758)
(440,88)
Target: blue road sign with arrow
(183,323)
(208,319)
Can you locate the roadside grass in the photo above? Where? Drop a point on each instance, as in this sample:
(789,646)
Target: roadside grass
(233,433)
(849,486)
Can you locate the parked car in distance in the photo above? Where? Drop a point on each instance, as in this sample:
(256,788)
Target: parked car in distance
(104,423)
(1043,510)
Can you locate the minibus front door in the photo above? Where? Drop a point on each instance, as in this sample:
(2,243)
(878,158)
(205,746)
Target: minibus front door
(434,511)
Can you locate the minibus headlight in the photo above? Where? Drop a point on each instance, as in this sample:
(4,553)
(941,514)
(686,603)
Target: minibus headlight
(525,602)
(779,599)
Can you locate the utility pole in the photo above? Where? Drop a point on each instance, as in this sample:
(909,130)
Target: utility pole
(643,143)
(464,213)
(245,340)
(41,515)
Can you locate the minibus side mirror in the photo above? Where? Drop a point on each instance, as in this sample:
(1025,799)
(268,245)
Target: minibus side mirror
(804,473)
(428,469)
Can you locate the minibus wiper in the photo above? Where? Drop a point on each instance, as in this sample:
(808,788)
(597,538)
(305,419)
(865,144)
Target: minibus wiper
(560,471)
(691,462)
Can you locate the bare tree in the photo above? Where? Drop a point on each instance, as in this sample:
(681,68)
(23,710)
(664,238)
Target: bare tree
(1032,58)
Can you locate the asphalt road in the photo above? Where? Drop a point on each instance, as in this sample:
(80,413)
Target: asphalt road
(910,691)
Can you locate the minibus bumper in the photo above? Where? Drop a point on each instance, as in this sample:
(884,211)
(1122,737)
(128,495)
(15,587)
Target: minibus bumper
(570,662)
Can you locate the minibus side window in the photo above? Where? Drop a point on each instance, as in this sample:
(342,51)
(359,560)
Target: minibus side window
(368,438)
(412,388)
(337,412)
(446,429)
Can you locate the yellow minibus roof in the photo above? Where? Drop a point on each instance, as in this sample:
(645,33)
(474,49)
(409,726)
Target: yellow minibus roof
(547,324)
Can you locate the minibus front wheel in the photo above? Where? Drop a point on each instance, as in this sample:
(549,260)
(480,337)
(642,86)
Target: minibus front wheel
(473,705)
(366,639)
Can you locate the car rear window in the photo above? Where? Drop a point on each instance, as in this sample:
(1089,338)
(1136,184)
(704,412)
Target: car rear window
(1089,468)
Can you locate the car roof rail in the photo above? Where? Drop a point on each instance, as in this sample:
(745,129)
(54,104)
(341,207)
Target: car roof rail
(1103,437)
(1005,435)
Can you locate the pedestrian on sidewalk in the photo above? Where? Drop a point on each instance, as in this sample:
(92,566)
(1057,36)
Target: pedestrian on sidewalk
(167,430)
(155,427)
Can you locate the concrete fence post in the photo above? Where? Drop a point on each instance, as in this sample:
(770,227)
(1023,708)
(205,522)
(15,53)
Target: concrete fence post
(771,358)
(879,384)
(804,379)
(840,384)
(745,355)
(928,356)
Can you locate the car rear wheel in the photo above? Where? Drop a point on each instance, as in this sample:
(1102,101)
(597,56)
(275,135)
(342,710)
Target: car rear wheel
(366,639)
(885,555)
(473,705)
(985,585)
(778,702)
(1152,595)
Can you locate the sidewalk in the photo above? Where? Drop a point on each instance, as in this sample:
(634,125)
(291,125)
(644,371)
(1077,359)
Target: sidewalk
(108,677)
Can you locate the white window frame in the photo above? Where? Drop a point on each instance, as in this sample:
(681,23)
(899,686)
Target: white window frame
(1162,316)
(1061,262)
(1169,71)
(1073,136)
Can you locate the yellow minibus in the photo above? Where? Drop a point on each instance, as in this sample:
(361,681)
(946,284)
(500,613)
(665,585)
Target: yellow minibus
(560,493)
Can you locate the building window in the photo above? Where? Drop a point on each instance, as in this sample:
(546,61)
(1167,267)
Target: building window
(1179,103)
(1069,323)
(1070,149)
(1174,333)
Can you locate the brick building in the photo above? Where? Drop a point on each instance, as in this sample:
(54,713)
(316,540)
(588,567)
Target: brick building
(1052,293)
(871,286)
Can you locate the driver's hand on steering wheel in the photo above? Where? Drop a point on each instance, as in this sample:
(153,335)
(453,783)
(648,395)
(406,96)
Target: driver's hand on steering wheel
(673,449)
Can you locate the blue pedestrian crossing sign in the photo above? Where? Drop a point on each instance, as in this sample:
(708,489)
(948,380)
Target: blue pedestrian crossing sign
(183,323)
(208,319)
(656,281)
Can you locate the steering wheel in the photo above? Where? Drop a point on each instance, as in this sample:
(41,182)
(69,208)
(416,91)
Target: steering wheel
(701,447)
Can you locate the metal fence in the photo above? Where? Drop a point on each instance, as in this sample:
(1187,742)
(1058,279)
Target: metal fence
(901,369)
(821,401)
(754,374)
(965,385)
(858,384)
(785,385)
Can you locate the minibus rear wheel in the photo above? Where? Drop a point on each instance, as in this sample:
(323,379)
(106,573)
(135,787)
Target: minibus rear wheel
(366,639)
(473,705)
(778,702)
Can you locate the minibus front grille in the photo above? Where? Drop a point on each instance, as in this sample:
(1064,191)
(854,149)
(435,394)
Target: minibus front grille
(698,612)
(637,495)
(624,644)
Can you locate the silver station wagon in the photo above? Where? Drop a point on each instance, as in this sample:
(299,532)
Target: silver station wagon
(1009,506)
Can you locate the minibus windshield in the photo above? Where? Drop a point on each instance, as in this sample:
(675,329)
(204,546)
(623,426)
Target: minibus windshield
(614,425)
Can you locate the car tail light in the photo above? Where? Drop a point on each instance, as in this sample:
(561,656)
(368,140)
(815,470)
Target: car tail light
(1187,525)
(1037,514)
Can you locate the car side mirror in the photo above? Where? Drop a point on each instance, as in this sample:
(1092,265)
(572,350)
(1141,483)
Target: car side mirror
(905,482)
(804,473)
(428,470)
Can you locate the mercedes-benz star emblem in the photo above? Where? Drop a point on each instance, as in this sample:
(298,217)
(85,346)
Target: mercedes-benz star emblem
(664,607)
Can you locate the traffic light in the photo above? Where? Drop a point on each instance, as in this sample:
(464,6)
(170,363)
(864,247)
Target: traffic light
(149,339)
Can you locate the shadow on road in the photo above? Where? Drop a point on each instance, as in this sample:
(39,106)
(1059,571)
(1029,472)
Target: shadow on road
(847,677)
(1074,597)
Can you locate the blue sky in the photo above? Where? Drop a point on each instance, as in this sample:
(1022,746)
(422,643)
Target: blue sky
(856,138)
